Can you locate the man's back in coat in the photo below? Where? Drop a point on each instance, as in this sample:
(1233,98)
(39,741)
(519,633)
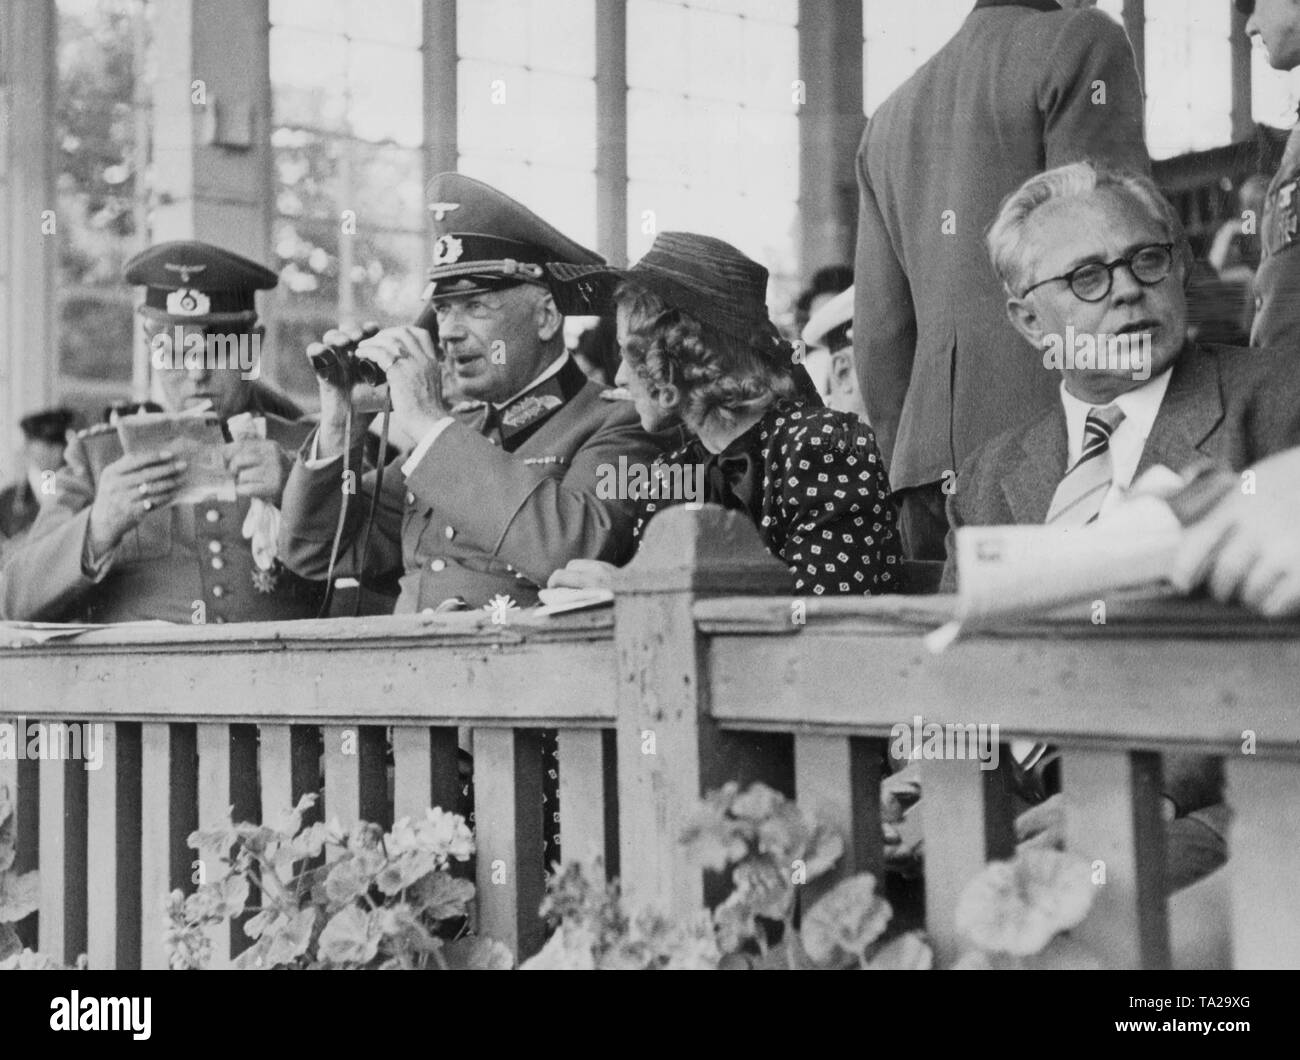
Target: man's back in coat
(1022,87)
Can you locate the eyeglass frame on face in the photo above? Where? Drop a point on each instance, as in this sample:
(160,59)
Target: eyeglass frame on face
(1110,267)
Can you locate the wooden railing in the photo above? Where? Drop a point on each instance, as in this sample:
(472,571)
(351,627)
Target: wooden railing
(707,670)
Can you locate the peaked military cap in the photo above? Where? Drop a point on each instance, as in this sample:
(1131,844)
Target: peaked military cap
(49,426)
(490,240)
(188,282)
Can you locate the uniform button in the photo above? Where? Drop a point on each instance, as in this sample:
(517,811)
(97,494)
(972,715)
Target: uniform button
(410,497)
(1259,301)
(450,532)
(218,563)
(218,591)
(428,611)
(214,547)
(212,515)
(438,565)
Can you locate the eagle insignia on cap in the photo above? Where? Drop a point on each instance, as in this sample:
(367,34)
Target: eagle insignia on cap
(528,409)
(187,302)
(442,209)
(184,270)
(447,250)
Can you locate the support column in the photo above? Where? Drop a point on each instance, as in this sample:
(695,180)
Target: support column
(1243,123)
(29,244)
(830,128)
(440,128)
(611,130)
(212,124)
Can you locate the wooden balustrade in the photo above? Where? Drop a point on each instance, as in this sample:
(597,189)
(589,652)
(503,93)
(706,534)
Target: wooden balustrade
(707,670)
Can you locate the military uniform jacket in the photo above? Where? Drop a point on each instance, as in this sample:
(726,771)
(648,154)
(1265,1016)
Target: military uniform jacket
(501,500)
(1277,283)
(174,560)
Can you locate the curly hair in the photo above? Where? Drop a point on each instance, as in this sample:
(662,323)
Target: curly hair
(696,370)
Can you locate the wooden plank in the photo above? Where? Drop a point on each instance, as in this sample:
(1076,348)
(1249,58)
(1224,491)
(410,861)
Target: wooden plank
(355,786)
(276,772)
(525,682)
(1265,798)
(837,779)
(102,856)
(214,810)
(1144,693)
(168,814)
(582,794)
(1115,823)
(27,837)
(954,820)
(54,810)
(412,770)
(508,816)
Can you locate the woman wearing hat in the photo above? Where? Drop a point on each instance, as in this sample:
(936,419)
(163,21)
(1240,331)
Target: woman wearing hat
(698,348)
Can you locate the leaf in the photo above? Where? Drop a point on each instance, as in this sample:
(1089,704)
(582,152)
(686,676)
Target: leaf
(19,896)
(908,952)
(289,938)
(347,881)
(351,937)
(570,948)
(849,918)
(256,924)
(442,896)
(10,943)
(402,871)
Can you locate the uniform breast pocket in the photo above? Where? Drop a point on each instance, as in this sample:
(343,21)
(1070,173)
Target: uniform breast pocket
(152,539)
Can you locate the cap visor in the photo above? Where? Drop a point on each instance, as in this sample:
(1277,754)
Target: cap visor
(233,319)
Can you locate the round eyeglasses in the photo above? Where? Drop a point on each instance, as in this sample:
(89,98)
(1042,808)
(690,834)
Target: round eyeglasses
(1092,282)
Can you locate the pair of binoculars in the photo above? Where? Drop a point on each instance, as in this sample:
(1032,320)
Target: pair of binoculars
(338,363)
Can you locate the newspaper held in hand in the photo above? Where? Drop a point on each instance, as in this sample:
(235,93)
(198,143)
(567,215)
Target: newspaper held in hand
(1008,572)
(193,436)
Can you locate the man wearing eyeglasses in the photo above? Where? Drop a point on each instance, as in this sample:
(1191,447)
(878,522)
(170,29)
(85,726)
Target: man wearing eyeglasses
(1093,262)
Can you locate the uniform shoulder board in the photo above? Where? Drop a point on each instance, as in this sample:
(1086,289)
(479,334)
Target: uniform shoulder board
(466,406)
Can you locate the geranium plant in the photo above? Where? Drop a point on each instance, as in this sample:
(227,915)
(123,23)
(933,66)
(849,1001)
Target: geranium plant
(19,896)
(381,900)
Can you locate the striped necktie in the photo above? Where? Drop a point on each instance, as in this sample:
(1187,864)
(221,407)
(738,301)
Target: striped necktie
(1078,498)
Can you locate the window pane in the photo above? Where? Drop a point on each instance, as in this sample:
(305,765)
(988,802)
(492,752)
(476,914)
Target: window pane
(308,84)
(771,64)
(323,16)
(386,85)
(390,21)
(656,45)
(496,30)
(1188,76)
(563,36)
(563,121)
(494,109)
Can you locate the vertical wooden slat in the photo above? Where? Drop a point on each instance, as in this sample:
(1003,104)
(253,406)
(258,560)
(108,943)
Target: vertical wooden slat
(1265,841)
(412,770)
(837,778)
(955,823)
(63,836)
(355,785)
(27,836)
(168,814)
(582,794)
(113,851)
(508,817)
(214,809)
(1114,822)
(276,770)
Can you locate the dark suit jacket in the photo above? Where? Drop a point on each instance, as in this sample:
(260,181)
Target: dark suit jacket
(474,521)
(1012,94)
(1231,405)
(174,559)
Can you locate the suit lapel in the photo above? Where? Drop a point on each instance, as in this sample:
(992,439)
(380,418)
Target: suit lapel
(1030,483)
(1191,410)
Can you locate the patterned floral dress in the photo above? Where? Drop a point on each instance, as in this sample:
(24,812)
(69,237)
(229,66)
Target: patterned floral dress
(815,485)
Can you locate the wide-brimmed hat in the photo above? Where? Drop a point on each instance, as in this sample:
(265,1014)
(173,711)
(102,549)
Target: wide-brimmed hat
(702,276)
